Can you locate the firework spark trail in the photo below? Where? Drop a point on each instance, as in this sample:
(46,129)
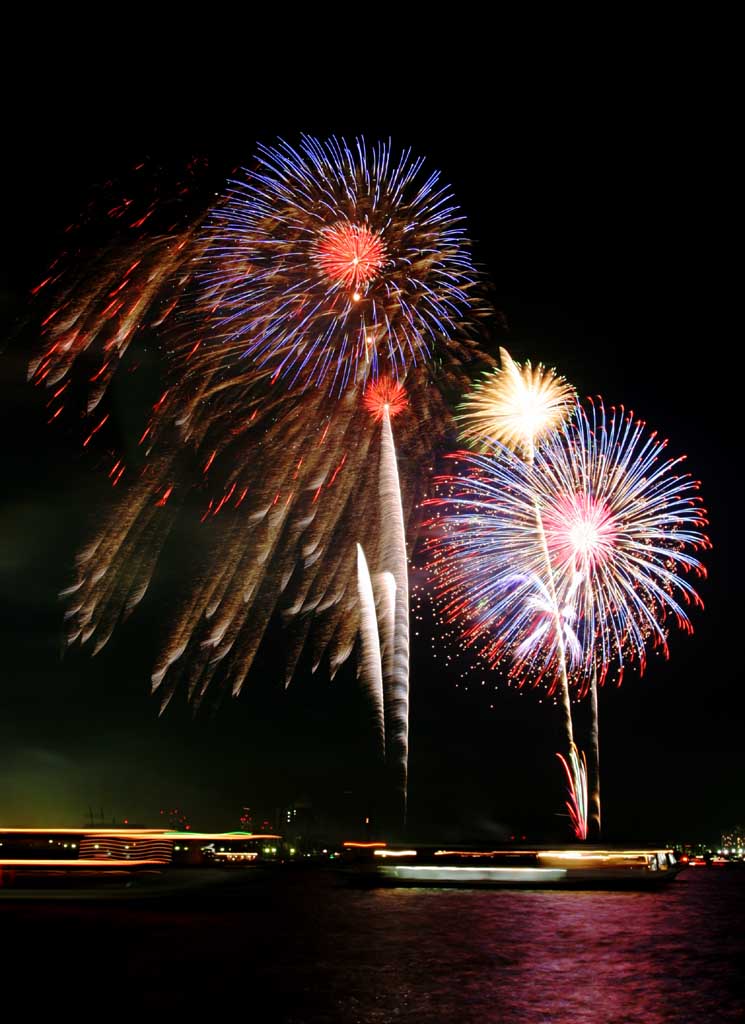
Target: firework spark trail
(575,767)
(124,269)
(385,399)
(369,668)
(566,704)
(106,571)
(538,600)
(101,323)
(284,542)
(384,587)
(332,590)
(243,556)
(392,559)
(130,585)
(595,821)
(318,531)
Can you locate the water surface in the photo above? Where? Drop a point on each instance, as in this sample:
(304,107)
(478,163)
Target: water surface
(303,947)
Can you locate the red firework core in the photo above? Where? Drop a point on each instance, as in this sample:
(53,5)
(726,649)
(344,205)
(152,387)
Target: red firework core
(383,394)
(351,254)
(581,530)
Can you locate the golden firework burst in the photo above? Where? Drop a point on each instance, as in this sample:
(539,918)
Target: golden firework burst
(515,405)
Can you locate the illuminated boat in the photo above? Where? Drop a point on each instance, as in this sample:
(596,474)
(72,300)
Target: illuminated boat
(581,868)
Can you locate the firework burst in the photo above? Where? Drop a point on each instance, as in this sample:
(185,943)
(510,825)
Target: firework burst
(385,396)
(369,666)
(350,255)
(334,262)
(622,529)
(515,405)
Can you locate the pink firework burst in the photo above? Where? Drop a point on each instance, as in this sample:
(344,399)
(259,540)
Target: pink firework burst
(581,531)
(350,254)
(385,393)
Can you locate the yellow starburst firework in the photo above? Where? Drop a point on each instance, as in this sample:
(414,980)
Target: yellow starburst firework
(515,405)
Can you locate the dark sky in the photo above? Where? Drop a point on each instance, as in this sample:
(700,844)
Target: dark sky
(600,212)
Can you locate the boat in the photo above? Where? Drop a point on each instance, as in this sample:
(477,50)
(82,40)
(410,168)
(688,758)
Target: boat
(537,868)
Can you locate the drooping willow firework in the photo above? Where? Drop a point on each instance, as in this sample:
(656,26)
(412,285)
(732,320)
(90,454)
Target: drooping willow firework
(623,529)
(328,266)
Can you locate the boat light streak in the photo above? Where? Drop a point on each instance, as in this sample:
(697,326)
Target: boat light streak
(395,853)
(474,874)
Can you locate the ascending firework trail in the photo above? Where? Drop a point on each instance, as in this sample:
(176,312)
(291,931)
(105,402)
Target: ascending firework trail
(385,399)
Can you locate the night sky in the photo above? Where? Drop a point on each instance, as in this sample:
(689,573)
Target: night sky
(600,220)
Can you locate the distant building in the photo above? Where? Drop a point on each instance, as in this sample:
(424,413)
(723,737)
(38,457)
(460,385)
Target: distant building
(296,821)
(734,838)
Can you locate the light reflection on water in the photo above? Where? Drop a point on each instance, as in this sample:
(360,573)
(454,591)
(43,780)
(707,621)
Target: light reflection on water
(304,948)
